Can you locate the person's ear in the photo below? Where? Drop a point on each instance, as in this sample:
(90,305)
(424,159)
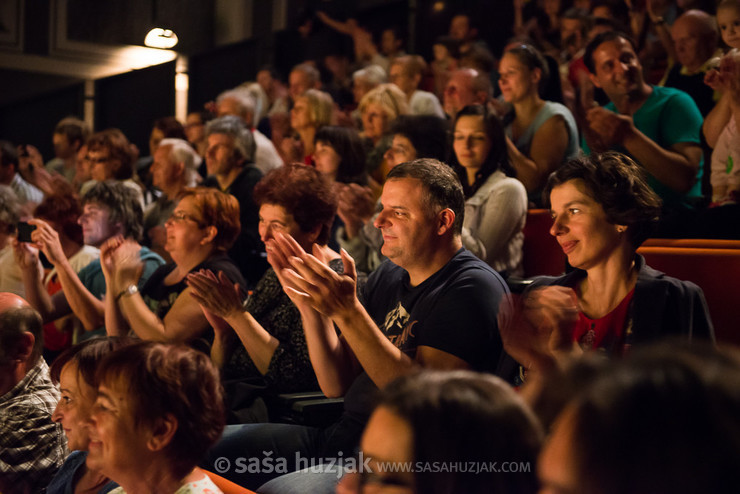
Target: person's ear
(594,80)
(536,75)
(445,219)
(162,433)
(210,235)
(24,347)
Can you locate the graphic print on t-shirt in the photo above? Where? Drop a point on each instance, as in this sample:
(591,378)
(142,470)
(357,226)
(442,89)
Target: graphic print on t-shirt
(398,328)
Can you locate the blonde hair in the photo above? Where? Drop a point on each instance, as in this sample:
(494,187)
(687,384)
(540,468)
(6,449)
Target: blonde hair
(320,106)
(389,97)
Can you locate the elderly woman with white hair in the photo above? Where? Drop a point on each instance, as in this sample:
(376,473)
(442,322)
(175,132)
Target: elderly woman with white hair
(175,167)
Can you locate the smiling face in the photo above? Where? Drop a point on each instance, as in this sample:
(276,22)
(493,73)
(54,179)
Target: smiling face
(405,221)
(164,170)
(276,219)
(581,227)
(387,438)
(74,407)
(618,70)
(116,444)
(471,142)
(516,80)
(101,163)
(184,229)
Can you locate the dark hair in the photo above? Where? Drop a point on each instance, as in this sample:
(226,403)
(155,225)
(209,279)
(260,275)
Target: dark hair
(657,421)
(87,355)
(532,59)
(304,193)
(442,187)
(452,45)
(119,148)
(427,133)
(15,321)
(462,416)
(618,184)
(170,379)
(63,208)
(8,154)
(216,209)
(74,129)
(618,9)
(498,157)
(123,204)
(348,145)
(588,55)
(170,127)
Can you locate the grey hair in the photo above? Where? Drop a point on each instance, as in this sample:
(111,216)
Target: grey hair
(372,74)
(235,128)
(244,99)
(10,207)
(182,152)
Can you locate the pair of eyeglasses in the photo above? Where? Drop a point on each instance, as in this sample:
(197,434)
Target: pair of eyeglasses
(179,217)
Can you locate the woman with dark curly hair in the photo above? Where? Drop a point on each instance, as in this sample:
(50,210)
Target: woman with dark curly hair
(602,210)
(294,200)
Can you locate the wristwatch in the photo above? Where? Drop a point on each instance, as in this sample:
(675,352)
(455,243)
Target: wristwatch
(128,291)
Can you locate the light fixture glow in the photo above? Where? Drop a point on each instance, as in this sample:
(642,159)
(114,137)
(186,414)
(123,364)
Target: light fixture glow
(161,38)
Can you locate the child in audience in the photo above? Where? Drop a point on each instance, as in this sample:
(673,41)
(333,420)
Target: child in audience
(725,175)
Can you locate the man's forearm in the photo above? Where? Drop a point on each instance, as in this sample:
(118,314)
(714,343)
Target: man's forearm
(84,304)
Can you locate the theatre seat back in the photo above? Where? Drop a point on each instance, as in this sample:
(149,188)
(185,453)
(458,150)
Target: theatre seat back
(715,271)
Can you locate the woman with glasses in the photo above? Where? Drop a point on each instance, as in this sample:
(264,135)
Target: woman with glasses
(202,227)
(540,135)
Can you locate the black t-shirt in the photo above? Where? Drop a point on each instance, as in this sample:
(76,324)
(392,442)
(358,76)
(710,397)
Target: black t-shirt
(454,310)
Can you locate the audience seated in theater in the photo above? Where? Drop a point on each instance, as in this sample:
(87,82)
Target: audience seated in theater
(432,285)
(175,167)
(447,418)
(240,103)
(74,371)
(109,209)
(311,111)
(11,276)
(495,201)
(463,27)
(406,72)
(112,157)
(295,201)
(32,447)
(414,137)
(200,230)
(602,211)
(466,87)
(694,37)
(70,134)
(28,194)
(540,134)
(653,422)
(657,126)
(159,407)
(231,169)
(379,108)
(60,211)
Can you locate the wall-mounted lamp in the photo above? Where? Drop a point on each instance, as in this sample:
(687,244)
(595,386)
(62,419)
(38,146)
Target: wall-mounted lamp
(161,38)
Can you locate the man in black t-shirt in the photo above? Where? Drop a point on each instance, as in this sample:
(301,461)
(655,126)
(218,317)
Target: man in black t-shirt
(434,305)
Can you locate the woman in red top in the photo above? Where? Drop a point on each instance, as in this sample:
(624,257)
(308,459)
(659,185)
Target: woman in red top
(602,210)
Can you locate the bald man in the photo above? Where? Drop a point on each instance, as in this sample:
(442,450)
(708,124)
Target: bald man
(466,87)
(32,446)
(695,39)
